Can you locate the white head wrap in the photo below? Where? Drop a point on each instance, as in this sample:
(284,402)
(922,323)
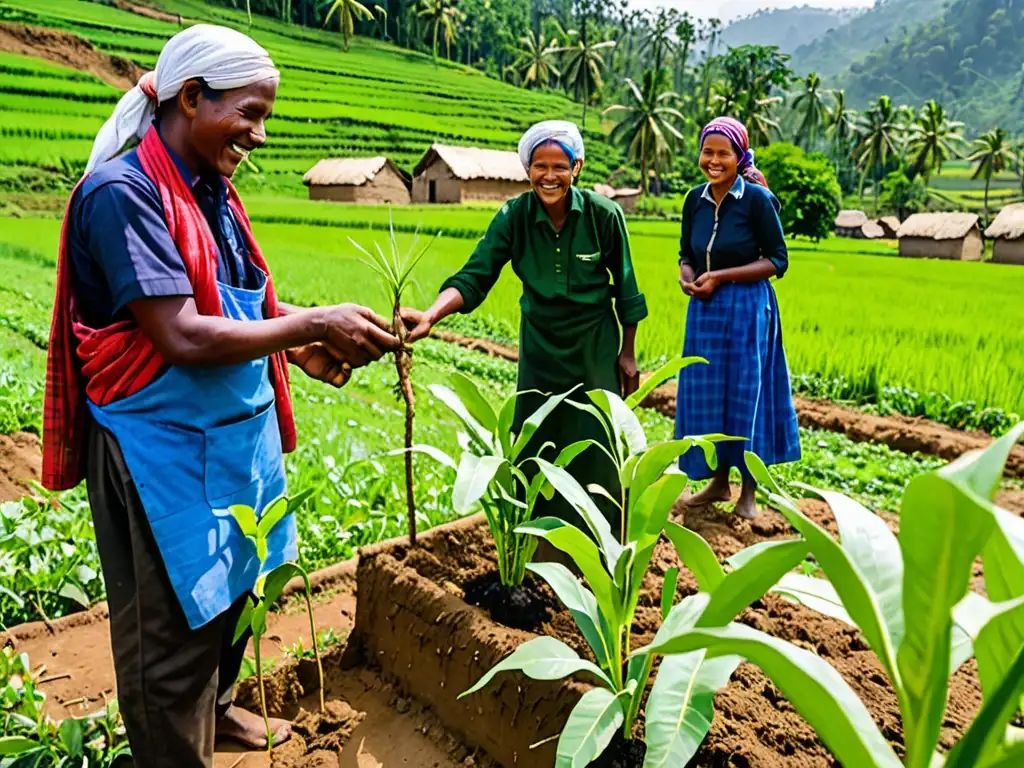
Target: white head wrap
(550,130)
(224,58)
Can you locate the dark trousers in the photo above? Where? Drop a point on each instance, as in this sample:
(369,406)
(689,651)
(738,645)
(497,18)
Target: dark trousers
(172,682)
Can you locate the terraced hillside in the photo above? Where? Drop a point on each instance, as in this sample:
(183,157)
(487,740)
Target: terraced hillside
(375,99)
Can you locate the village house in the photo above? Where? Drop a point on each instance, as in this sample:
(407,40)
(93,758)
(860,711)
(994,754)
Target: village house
(1008,233)
(890,226)
(367,180)
(449,174)
(941,236)
(856,224)
(626,198)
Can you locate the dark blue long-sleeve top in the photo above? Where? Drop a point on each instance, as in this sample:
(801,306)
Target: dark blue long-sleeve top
(743,229)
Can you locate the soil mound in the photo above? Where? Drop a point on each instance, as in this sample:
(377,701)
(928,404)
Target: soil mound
(20,462)
(69,50)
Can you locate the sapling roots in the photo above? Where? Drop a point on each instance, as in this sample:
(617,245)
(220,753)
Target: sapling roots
(403,364)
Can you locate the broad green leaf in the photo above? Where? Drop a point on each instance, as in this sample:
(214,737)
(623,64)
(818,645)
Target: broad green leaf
(580,602)
(543,658)
(580,500)
(817,594)
(74,592)
(244,621)
(761,474)
(472,480)
(12,596)
(659,377)
(72,733)
(15,745)
(744,585)
(1003,557)
(272,588)
(507,419)
(591,726)
(817,692)
(534,421)
(969,616)
(273,513)
(858,598)
(475,403)
(428,450)
(570,452)
(875,551)
(1011,757)
(246,519)
(980,472)
(681,706)
(943,527)
(998,642)
(697,555)
(650,506)
(668,591)
(681,618)
(476,430)
(655,460)
(625,424)
(296,501)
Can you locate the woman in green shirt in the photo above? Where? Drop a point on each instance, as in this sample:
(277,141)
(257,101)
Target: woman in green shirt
(580,303)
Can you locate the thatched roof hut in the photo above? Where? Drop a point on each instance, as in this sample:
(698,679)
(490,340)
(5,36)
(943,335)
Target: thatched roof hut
(449,174)
(358,180)
(890,226)
(941,236)
(851,224)
(625,197)
(1008,233)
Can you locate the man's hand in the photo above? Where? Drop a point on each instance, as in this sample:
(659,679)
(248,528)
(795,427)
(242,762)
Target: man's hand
(418,323)
(686,278)
(319,361)
(705,286)
(358,335)
(629,377)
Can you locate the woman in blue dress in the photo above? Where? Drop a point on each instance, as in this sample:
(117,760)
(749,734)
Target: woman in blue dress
(731,246)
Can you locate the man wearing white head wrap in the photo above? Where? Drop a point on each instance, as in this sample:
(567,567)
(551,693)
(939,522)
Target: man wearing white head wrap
(167,332)
(580,304)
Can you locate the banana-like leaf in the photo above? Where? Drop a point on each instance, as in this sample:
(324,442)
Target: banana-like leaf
(580,500)
(817,594)
(476,430)
(655,460)
(650,506)
(472,480)
(681,706)
(246,519)
(1003,557)
(980,472)
(580,602)
(575,543)
(697,555)
(668,591)
(16,745)
(969,616)
(625,425)
(272,588)
(943,527)
(273,514)
(659,377)
(591,726)
(875,551)
(534,421)
(570,452)
(244,622)
(813,687)
(543,658)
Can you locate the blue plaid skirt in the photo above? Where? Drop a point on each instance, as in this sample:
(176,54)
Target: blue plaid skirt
(744,391)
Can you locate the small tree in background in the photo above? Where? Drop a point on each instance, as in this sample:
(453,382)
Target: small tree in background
(903,196)
(807,187)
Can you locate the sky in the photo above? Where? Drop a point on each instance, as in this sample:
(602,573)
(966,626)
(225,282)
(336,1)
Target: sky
(731,9)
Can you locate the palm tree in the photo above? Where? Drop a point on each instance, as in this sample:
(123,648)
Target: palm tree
(878,142)
(536,61)
(658,39)
(648,126)
(761,122)
(583,65)
(811,103)
(348,12)
(934,138)
(686,33)
(843,124)
(441,16)
(993,154)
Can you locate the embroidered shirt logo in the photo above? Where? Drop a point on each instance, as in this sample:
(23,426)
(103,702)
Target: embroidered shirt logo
(588,257)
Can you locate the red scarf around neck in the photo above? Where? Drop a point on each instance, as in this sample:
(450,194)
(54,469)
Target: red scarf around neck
(111,363)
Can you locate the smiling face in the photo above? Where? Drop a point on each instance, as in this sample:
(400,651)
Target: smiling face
(225,126)
(551,174)
(718,160)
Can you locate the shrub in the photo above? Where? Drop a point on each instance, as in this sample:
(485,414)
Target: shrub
(807,187)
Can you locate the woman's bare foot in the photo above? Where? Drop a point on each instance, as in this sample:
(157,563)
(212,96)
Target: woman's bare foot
(746,507)
(717,490)
(249,729)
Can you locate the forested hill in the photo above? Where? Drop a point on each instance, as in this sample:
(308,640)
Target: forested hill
(970,59)
(787,28)
(847,44)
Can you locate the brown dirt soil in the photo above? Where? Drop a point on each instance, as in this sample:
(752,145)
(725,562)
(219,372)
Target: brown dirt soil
(898,432)
(69,50)
(20,461)
(754,724)
(145,10)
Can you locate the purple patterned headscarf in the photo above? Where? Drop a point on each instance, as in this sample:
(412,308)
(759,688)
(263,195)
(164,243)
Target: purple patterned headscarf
(736,133)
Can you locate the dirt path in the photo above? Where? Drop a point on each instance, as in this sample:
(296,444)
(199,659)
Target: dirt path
(20,461)
(69,50)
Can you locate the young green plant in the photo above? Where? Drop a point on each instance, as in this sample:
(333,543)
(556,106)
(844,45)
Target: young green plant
(910,598)
(395,271)
(269,587)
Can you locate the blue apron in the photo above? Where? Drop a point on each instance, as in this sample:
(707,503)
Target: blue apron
(197,440)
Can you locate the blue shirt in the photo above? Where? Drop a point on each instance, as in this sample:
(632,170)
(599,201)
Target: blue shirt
(743,229)
(121,250)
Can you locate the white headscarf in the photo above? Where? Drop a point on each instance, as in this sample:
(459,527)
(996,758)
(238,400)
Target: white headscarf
(550,130)
(224,58)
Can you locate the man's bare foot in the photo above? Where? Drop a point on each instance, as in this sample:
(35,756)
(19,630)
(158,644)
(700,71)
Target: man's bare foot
(746,507)
(248,728)
(712,492)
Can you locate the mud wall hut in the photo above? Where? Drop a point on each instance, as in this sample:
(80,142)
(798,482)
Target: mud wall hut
(625,197)
(1008,233)
(890,226)
(851,224)
(449,174)
(366,180)
(953,236)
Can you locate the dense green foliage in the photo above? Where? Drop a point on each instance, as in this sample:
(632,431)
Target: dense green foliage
(807,187)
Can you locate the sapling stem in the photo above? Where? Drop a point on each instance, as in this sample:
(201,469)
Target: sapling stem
(403,364)
(316,648)
(263,695)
